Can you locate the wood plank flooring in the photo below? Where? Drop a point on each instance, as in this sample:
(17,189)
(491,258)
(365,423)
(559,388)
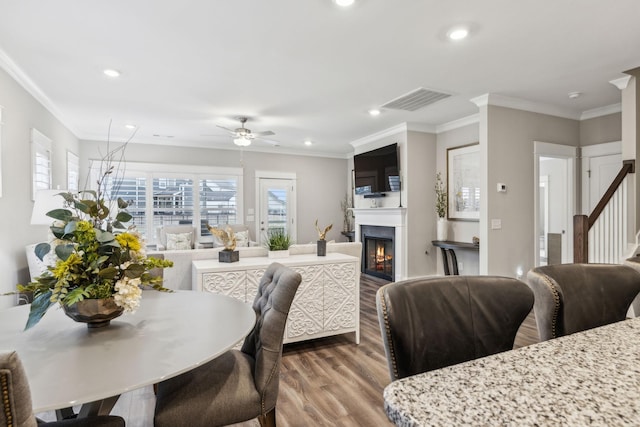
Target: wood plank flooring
(324,382)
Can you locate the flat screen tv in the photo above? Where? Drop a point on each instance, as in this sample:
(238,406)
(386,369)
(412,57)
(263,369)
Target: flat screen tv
(377,171)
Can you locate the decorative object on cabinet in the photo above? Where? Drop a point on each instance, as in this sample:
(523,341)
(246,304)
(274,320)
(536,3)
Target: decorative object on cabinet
(322,243)
(463,182)
(278,243)
(228,238)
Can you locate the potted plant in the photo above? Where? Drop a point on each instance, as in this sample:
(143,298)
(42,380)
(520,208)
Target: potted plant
(278,243)
(441,208)
(322,243)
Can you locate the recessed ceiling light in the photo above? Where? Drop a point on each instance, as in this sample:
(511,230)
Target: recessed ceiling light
(308,143)
(130,126)
(574,95)
(374,112)
(344,3)
(458,33)
(111,73)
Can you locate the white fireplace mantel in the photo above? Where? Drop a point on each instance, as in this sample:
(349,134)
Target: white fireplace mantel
(387,217)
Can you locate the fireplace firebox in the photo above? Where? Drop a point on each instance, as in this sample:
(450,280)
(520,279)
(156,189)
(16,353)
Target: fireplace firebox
(378,251)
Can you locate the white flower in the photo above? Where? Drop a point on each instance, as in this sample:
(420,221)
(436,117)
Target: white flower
(128,294)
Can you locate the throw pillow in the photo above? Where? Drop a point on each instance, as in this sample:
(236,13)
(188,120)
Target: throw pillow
(176,241)
(242,238)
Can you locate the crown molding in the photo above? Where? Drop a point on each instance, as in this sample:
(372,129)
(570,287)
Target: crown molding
(621,83)
(7,64)
(402,127)
(458,123)
(523,104)
(601,111)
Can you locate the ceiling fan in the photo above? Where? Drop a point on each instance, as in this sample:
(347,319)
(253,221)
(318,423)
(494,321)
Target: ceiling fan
(243,136)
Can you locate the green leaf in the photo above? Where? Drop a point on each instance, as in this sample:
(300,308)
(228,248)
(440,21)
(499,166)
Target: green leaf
(93,193)
(104,236)
(39,307)
(82,207)
(108,273)
(122,204)
(134,270)
(41,250)
(118,224)
(64,251)
(57,231)
(61,214)
(70,227)
(123,216)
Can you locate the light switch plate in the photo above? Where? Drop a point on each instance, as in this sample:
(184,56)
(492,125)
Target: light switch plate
(496,224)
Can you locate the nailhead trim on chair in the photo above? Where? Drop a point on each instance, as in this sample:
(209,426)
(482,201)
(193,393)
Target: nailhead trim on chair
(556,300)
(6,405)
(383,304)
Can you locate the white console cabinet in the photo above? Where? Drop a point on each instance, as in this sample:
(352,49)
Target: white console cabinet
(327,302)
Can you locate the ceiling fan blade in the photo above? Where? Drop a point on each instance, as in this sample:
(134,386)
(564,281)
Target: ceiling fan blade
(265,133)
(231,131)
(269,141)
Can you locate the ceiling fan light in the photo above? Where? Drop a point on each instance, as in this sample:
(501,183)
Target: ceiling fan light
(242,141)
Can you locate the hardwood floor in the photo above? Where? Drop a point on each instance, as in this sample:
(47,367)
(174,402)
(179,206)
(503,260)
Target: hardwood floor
(324,382)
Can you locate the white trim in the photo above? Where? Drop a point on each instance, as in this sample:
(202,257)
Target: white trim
(176,168)
(604,149)
(73,162)
(459,123)
(40,143)
(545,149)
(1,123)
(621,83)
(397,129)
(275,175)
(27,84)
(525,105)
(601,111)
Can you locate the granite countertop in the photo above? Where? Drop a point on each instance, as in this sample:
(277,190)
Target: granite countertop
(588,378)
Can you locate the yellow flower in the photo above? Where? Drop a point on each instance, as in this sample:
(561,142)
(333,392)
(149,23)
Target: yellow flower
(128,241)
(63,267)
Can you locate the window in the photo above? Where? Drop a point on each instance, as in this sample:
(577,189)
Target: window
(73,172)
(176,195)
(0,151)
(40,162)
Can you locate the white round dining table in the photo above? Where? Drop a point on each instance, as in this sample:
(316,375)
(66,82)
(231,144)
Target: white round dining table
(68,364)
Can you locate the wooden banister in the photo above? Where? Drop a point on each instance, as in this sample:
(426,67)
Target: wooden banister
(582,224)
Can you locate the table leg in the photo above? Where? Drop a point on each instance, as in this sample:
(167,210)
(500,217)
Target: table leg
(99,407)
(445,261)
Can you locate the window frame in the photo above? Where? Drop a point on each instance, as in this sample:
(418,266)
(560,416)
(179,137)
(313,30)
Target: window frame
(40,144)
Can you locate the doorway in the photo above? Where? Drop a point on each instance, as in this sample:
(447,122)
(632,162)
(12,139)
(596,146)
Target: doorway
(600,165)
(276,204)
(555,202)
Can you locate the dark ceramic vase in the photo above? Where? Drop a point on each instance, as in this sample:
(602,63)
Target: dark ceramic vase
(322,248)
(96,313)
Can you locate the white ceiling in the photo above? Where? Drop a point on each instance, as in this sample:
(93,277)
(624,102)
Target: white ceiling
(307,69)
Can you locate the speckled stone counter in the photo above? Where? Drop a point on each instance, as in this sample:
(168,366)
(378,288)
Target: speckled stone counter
(588,378)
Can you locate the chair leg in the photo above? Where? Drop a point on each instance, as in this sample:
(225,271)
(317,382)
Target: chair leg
(268,419)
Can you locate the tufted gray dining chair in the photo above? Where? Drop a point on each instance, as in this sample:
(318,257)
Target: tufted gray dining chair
(575,297)
(15,400)
(240,384)
(430,323)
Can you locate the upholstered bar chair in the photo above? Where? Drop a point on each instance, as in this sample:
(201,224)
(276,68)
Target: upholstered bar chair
(575,297)
(430,323)
(241,384)
(15,400)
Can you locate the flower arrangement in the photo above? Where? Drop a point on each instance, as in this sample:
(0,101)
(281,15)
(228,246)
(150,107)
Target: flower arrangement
(441,196)
(97,257)
(227,237)
(322,234)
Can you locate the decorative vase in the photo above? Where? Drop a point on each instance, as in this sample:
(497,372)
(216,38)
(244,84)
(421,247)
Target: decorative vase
(322,248)
(441,230)
(96,313)
(279,254)
(228,256)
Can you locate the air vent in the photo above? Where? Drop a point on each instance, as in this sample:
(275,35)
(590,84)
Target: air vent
(415,100)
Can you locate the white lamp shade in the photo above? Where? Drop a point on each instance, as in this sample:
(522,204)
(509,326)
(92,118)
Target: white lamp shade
(46,201)
(242,141)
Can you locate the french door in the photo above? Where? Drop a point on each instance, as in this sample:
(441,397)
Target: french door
(277,207)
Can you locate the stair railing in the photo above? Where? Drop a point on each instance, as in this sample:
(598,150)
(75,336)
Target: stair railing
(601,236)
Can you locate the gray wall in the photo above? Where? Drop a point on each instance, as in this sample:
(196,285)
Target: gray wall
(601,129)
(508,146)
(22,112)
(321,182)
(460,231)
